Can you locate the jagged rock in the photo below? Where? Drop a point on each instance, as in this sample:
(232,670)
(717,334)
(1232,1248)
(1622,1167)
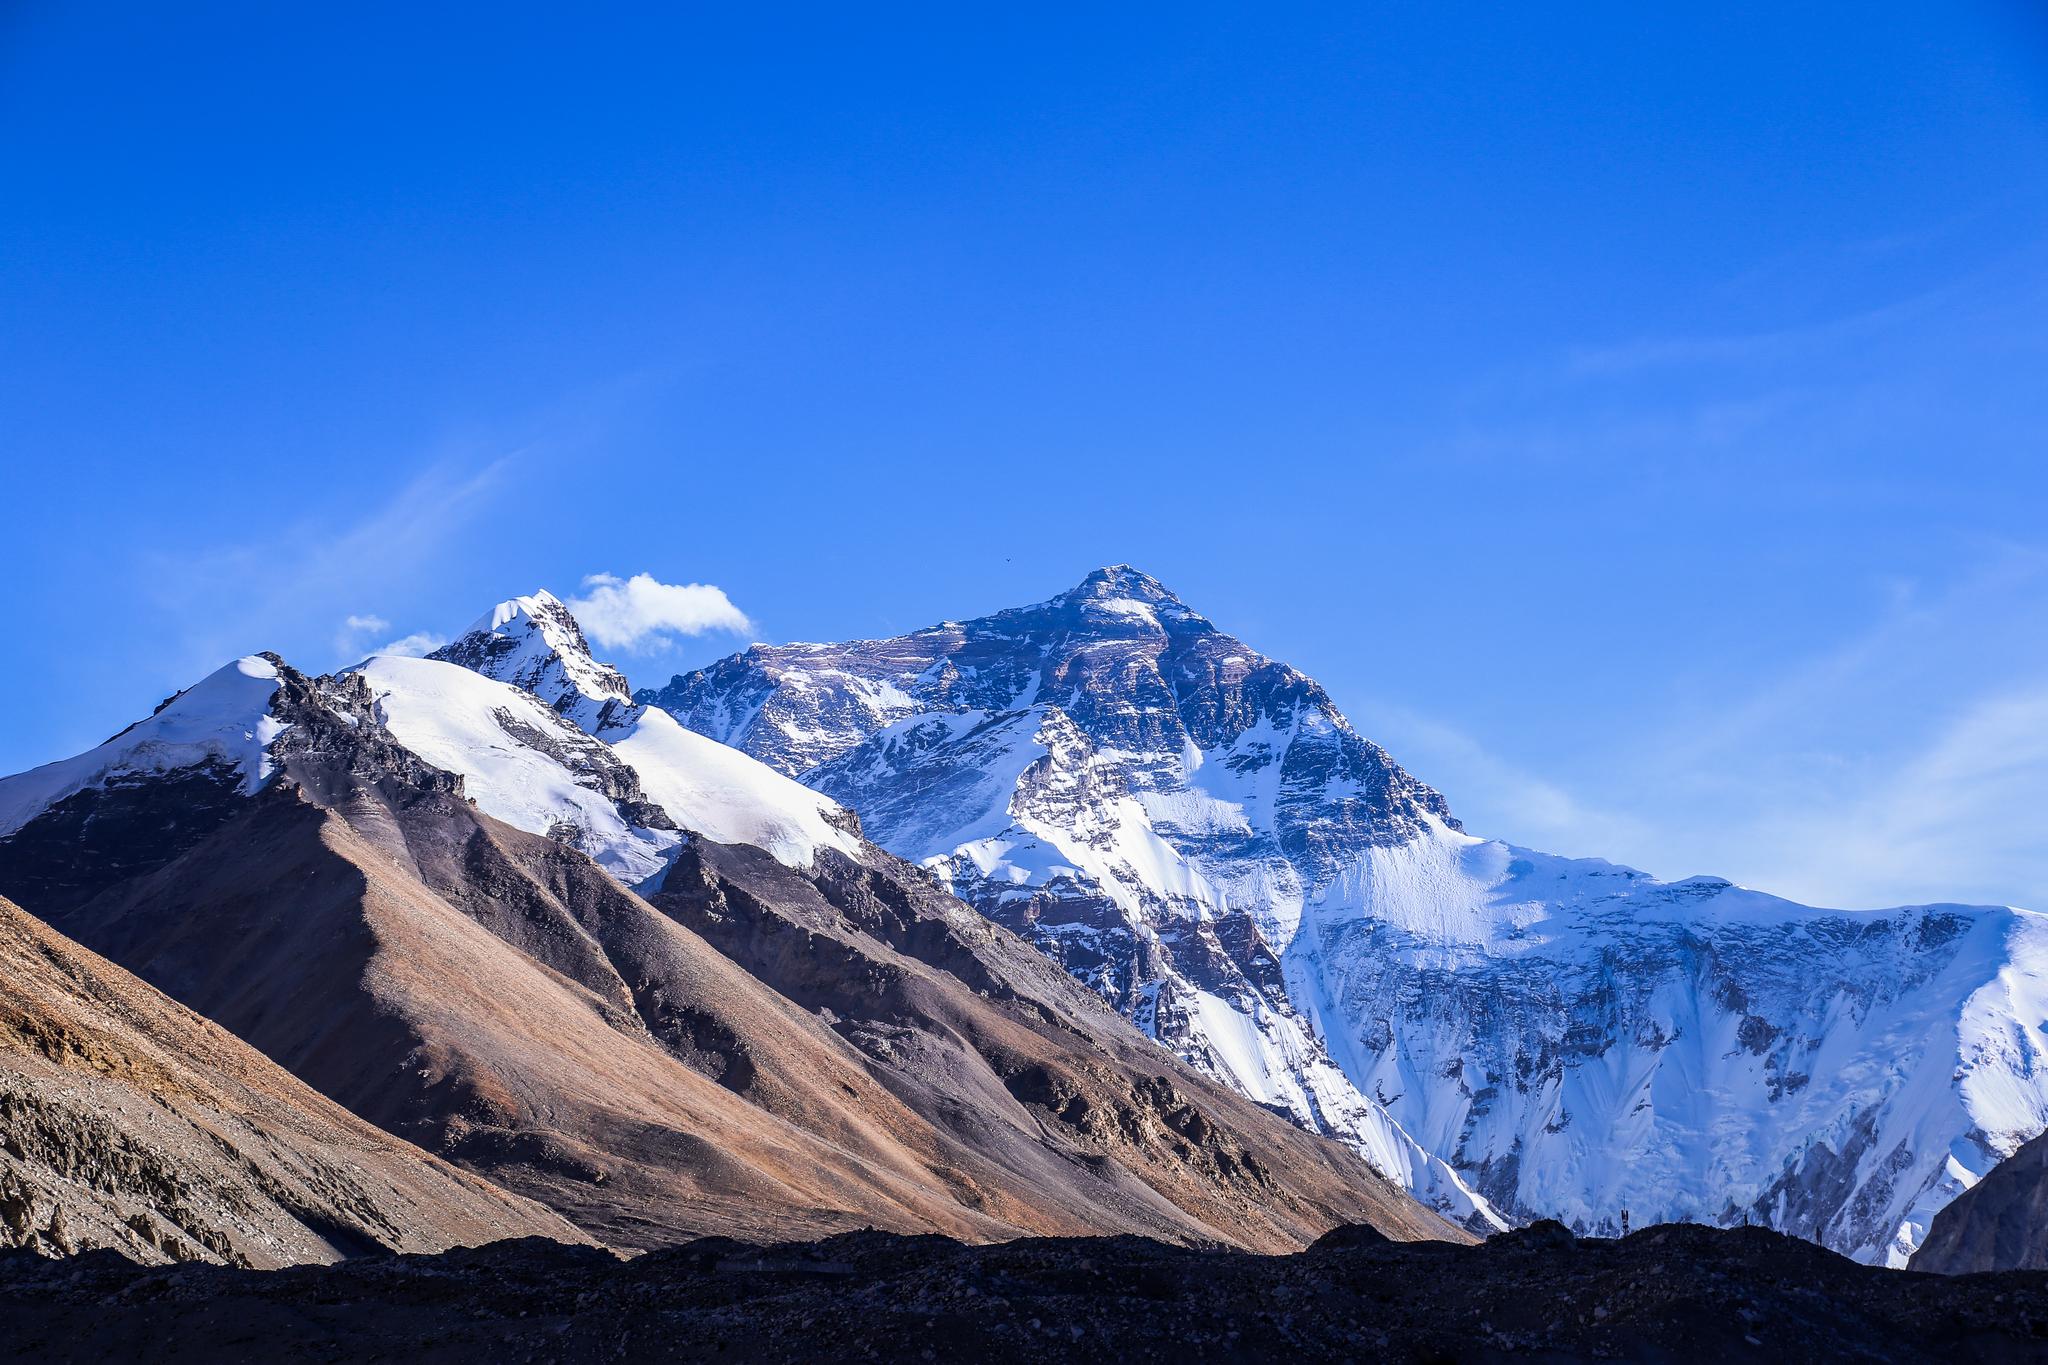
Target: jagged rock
(807,1036)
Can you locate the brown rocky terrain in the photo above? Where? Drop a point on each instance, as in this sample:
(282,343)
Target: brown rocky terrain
(762,1054)
(128,1122)
(1667,1293)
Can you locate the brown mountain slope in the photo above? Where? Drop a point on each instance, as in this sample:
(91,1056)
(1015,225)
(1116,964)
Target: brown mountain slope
(127,1121)
(496,997)
(998,1048)
(2000,1223)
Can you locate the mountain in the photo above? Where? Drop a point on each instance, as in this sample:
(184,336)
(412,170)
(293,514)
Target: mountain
(793,1039)
(821,883)
(1198,834)
(128,1122)
(534,645)
(2000,1223)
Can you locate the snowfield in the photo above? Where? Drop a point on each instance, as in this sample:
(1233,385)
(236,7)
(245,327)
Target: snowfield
(520,761)
(1199,835)
(531,647)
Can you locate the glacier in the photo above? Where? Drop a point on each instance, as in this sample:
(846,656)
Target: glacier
(1198,833)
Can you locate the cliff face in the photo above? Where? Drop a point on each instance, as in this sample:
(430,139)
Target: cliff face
(405,889)
(2000,1223)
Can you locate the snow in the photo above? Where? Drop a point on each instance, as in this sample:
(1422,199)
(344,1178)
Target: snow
(1854,1069)
(1490,1024)
(547,655)
(724,795)
(1129,607)
(457,720)
(706,787)
(224,718)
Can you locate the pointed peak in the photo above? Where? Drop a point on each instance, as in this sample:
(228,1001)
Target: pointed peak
(538,610)
(1122,581)
(226,721)
(534,643)
(1119,598)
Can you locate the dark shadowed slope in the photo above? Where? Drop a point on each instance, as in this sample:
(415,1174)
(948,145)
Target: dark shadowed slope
(127,1121)
(2000,1223)
(998,1050)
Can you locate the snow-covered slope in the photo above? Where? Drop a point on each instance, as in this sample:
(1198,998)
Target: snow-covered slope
(534,644)
(1200,835)
(577,718)
(522,762)
(220,726)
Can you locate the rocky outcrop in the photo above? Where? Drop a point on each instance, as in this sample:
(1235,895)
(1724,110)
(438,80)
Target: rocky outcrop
(2000,1223)
(1029,1080)
(775,1050)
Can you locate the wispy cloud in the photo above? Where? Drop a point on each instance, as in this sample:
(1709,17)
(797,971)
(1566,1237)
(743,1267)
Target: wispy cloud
(357,627)
(1957,819)
(641,612)
(1904,762)
(236,598)
(414,646)
(1495,795)
(1744,348)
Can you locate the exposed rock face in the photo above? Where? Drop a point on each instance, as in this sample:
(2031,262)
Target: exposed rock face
(128,1122)
(770,1053)
(1059,766)
(535,644)
(1664,1294)
(1196,833)
(2000,1223)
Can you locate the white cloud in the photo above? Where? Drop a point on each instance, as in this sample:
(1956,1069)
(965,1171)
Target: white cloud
(642,612)
(357,627)
(416,645)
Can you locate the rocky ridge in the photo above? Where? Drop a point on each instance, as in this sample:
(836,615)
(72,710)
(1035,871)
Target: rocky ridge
(799,1040)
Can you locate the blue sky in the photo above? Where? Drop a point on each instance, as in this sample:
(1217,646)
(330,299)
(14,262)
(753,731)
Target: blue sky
(1636,419)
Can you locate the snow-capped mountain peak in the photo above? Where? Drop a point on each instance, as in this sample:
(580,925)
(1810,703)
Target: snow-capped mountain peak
(1119,598)
(1060,765)
(221,725)
(534,643)
(612,774)
(1198,833)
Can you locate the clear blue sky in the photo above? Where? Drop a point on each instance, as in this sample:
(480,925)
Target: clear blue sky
(1638,419)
